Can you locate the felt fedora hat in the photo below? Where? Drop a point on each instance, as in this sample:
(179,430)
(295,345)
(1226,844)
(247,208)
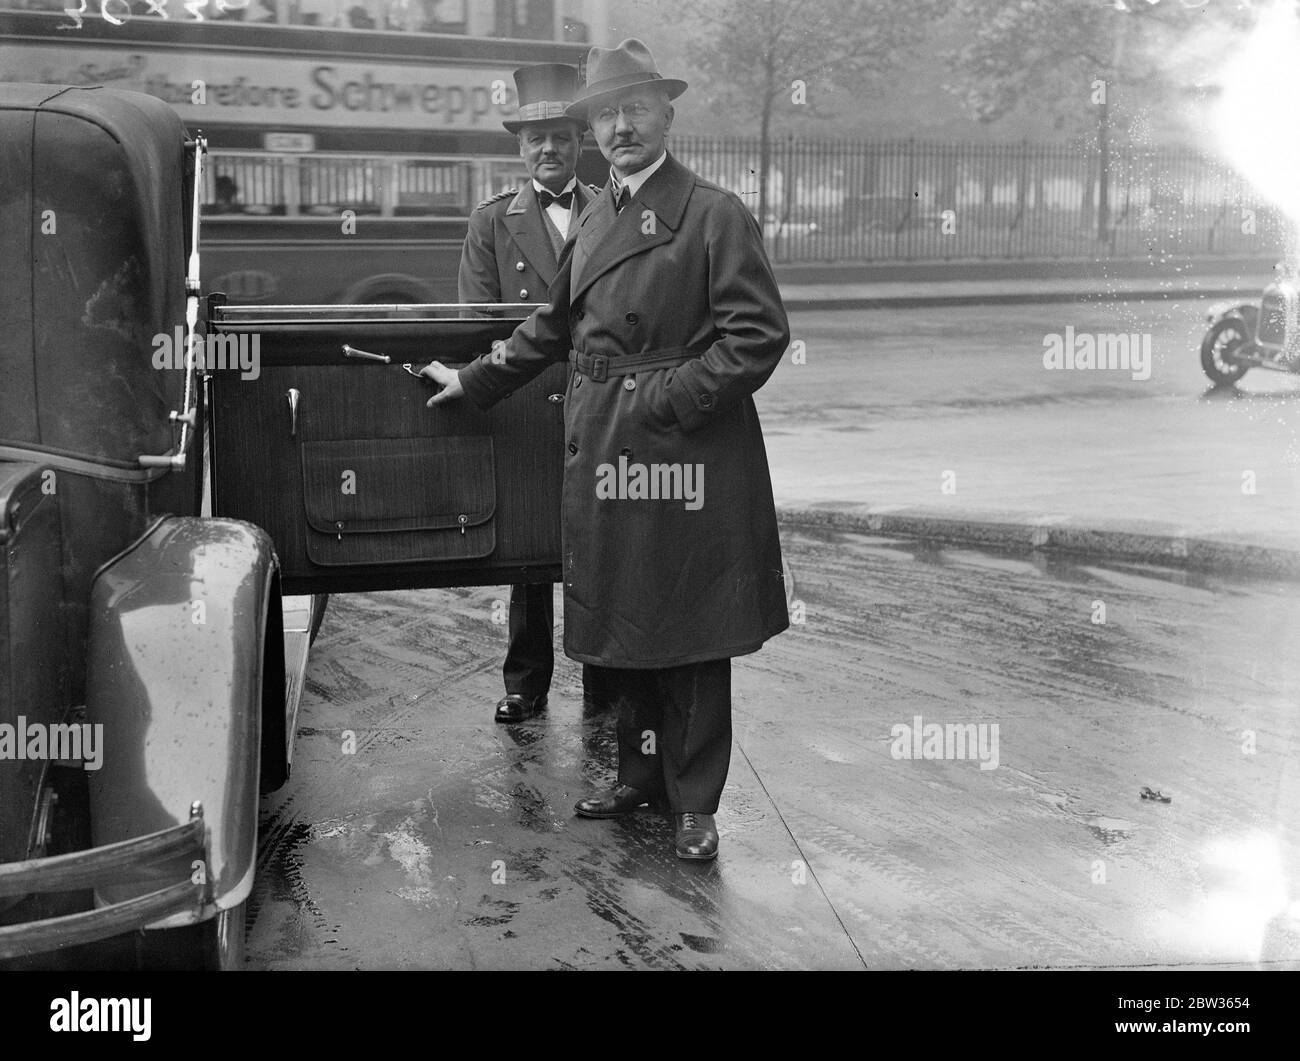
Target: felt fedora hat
(614,70)
(545,91)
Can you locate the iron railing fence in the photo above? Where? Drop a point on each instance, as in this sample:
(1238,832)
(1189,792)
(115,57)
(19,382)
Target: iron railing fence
(914,200)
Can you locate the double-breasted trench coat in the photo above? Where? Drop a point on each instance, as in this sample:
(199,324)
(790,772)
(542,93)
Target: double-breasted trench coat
(508,255)
(652,583)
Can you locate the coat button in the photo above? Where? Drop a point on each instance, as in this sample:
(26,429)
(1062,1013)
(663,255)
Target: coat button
(631,318)
(519,267)
(629,384)
(582,314)
(577,379)
(573,447)
(626,451)
(706,401)
(523,292)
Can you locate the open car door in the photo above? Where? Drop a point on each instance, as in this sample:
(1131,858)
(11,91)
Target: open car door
(321,436)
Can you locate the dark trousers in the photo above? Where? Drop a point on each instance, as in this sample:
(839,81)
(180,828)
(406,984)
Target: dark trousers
(674,731)
(530,654)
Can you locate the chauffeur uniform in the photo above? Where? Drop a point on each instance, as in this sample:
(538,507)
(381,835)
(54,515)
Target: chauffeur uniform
(671,315)
(510,255)
(513,247)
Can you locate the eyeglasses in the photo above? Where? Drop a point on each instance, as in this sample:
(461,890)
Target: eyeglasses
(633,112)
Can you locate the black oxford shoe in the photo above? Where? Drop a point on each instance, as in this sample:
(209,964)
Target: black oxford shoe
(620,800)
(516,708)
(697,836)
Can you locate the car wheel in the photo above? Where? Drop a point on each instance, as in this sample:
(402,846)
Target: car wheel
(1218,349)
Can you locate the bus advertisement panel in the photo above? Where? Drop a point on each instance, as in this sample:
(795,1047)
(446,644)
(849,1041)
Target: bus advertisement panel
(344,162)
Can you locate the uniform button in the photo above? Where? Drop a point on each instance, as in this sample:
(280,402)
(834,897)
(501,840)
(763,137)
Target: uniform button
(706,401)
(573,448)
(631,318)
(629,384)
(519,267)
(523,292)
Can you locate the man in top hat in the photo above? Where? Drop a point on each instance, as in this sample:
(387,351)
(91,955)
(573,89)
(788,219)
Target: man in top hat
(666,305)
(510,255)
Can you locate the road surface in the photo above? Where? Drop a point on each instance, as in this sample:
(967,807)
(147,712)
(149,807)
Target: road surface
(416,833)
(891,406)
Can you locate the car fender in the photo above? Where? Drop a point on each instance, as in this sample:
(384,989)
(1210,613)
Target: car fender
(1246,312)
(184,647)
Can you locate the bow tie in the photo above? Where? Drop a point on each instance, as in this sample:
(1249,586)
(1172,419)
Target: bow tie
(565,199)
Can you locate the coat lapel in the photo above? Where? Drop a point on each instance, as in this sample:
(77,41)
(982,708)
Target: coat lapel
(592,226)
(582,199)
(523,221)
(605,238)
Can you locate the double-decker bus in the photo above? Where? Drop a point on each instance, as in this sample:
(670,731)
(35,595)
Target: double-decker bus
(349,139)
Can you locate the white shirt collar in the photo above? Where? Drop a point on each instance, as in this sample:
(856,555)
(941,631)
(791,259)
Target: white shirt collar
(635,180)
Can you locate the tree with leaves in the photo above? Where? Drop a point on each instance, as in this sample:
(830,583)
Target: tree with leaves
(1094,64)
(767,60)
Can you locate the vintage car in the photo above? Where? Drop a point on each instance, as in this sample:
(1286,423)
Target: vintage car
(1245,335)
(177,497)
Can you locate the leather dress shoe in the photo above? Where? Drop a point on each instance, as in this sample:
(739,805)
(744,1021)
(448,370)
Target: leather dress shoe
(619,800)
(697,836)
(516,708)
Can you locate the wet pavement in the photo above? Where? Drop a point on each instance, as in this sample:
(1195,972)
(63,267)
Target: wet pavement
(950,409)
(442,840)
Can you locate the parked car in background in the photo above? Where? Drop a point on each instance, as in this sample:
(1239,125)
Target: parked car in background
(775,227)
(1249,335)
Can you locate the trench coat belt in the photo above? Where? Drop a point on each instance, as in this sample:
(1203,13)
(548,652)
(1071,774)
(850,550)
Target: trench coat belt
(600,366)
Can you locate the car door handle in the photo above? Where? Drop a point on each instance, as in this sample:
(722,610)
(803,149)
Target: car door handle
(351,351)
(293,395)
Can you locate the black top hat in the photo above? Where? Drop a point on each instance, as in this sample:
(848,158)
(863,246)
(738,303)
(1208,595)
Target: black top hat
(545,91)
(614,70)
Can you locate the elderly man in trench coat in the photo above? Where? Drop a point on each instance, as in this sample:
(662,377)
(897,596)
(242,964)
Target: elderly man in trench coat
(666,305)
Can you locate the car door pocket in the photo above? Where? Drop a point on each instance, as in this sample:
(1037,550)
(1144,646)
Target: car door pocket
(396,500)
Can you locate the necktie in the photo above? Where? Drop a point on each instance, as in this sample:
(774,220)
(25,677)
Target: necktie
(622,199)
(546,199)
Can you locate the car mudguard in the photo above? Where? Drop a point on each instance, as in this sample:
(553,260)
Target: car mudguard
(1247,312)
(185,643)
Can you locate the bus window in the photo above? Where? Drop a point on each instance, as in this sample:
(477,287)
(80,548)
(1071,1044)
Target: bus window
(411,16)
(270,185)
(328,186)
(243,184)
(426,187)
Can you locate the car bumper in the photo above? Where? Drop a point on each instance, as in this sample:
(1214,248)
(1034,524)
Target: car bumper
(165,858)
